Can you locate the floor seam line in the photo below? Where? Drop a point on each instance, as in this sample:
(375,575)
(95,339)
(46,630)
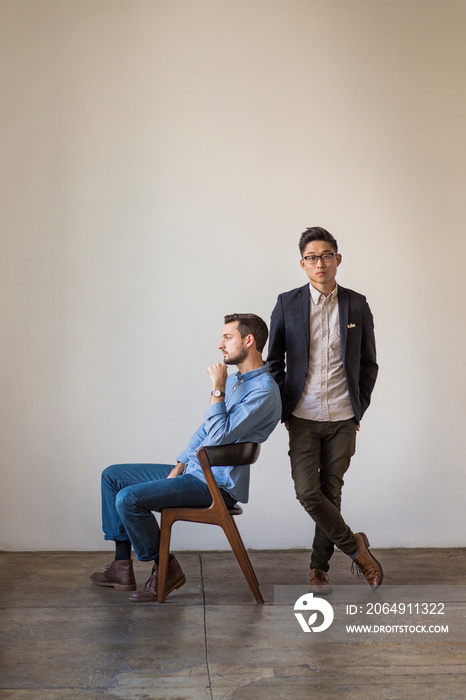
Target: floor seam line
(205,627)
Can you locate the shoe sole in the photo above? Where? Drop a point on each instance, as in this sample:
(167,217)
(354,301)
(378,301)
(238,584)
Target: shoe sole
(116,586)
(153,599)
(367,544)
(314,589)
(176,585)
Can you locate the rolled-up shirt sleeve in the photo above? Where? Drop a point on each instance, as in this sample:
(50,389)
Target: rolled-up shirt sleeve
(195,442)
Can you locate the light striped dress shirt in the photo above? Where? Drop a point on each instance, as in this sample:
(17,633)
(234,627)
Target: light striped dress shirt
(325,396)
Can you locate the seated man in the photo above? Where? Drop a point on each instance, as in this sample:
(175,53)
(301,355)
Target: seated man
(244,407)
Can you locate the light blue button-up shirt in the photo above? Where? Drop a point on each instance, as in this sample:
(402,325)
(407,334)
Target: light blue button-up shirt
(251,410)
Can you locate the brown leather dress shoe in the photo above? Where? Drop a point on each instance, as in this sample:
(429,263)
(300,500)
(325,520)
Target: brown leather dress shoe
(367,564)
(148,593)
(118,574)
(319,582)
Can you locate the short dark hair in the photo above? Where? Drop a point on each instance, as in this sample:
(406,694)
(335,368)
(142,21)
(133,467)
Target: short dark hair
(251,324)
(316,233)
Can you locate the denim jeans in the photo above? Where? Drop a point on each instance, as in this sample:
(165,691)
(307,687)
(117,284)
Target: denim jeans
(130,492)
(320,453)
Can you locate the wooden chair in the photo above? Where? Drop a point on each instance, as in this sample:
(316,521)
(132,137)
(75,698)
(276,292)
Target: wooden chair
(239,454)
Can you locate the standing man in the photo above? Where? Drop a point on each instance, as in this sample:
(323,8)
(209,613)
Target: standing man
(322,356)
(244,407)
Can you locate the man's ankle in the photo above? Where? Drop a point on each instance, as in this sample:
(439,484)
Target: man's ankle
(122,550)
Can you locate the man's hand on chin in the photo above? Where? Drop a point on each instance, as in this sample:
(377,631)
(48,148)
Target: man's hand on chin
(218,373)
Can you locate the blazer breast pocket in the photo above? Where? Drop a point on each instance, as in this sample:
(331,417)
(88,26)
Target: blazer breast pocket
(353,337)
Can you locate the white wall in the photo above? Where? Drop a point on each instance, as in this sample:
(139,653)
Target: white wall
(159,160)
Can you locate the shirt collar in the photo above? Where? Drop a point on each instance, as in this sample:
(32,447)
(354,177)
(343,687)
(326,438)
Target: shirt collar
(316,295)
(253,373)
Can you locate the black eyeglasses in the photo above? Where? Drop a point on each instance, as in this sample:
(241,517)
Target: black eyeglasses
(312,259)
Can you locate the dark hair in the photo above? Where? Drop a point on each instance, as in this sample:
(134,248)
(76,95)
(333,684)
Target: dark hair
(250,324)
(316,233)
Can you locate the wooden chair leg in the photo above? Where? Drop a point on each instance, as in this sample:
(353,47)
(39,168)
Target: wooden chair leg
(239,550)
(164,553)
(245,551)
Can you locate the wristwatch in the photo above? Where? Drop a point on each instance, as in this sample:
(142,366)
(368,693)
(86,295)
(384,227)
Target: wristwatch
(217,393)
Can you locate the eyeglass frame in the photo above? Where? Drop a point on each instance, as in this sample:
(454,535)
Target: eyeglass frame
(314,262)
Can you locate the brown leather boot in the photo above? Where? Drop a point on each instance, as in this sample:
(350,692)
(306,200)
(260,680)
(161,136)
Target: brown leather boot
(148,593)
(370,568)
(319,582)
(118,574)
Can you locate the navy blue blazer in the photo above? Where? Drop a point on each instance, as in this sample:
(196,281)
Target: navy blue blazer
(289,347)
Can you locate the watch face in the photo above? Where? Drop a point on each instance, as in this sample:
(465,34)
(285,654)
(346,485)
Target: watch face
(217,393)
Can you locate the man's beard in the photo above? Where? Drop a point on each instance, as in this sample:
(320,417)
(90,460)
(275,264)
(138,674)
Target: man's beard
(236,359)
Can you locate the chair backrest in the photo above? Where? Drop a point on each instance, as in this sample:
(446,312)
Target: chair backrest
(236,455)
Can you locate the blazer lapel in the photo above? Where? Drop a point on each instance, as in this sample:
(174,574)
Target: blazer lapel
(304,301)
(343,311)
